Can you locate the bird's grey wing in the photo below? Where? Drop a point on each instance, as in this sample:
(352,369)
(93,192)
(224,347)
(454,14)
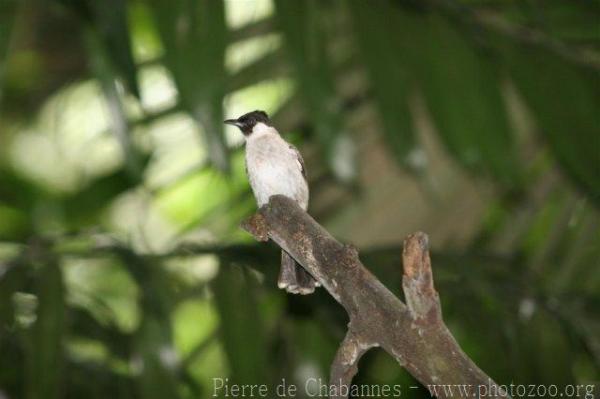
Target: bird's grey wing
(299,159)
(300,282)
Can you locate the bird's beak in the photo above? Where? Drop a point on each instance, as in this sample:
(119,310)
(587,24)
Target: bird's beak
(233,122)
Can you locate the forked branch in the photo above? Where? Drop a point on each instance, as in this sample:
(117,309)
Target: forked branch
(413,333)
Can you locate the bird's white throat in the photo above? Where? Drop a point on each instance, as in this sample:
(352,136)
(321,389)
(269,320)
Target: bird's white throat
(260,129)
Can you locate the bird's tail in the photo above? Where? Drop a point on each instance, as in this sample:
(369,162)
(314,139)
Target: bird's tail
(293,278)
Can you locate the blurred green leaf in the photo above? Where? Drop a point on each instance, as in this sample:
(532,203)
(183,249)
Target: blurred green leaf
(108,21)
(575,21)
(194,36)
(8,10)
(153,348)
(462,90)
(15,190)
(266,68)
(83,324)
(583,249)
(376,30)
(304,25)
(157,357)
(84,207)
(12,279)
(107,382)
(45,337)
(315,342)
(17,198)
(208,198)
(106,75)
(547,354)
(241,326)
(565,100)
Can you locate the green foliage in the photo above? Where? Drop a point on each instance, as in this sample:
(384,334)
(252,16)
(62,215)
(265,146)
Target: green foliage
(194,36)
(236,301)
(386,62)
(110,25)
(7,17)
(123,272)
(44,340)
(546,81)
(463,95)
(304,26)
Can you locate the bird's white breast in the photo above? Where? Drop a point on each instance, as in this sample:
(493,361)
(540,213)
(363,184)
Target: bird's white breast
(273,168)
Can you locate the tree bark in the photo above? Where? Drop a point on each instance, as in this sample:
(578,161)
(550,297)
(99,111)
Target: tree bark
(412,332)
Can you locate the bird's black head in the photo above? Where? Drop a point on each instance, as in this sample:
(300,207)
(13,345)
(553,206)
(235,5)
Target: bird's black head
(247,121)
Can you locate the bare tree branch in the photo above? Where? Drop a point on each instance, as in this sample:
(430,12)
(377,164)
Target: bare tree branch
(345,364)
(413,333)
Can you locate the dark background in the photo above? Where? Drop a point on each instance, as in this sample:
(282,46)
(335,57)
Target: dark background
(123,272)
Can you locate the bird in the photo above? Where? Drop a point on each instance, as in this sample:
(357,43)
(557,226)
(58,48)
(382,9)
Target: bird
(275,166)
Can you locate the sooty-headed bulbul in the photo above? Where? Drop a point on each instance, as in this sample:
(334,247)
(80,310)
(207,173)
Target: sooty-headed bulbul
(274,166)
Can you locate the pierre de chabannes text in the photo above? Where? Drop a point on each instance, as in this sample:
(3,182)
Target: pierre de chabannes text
(317,388)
